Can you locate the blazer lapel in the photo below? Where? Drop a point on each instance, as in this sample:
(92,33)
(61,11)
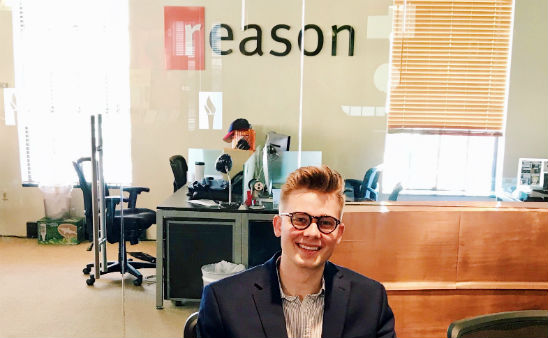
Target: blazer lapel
(337,293)
(268,302)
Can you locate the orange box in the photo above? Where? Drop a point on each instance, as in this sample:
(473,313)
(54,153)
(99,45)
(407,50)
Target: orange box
(248,135)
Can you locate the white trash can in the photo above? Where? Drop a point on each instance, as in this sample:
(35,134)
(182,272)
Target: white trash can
(216,271)
(56,200)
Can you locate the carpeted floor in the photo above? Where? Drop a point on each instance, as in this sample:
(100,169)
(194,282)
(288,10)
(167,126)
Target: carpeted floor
(43,293)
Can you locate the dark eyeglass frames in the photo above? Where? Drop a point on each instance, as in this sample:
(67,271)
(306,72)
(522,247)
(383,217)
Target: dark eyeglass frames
(302,220)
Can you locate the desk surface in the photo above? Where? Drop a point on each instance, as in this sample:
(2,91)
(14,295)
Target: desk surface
(179,201)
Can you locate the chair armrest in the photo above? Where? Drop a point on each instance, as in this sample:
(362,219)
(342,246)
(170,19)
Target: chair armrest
(137,190)
(371,190)
(133,193)
(352,184)
(372,194)
(111,203)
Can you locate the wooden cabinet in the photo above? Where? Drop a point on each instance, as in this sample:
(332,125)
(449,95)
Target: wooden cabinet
(441,263)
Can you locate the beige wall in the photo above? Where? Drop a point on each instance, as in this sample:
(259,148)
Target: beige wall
(527,120)
(17,204)
(265,90)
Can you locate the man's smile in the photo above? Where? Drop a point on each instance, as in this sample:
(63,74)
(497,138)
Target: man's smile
(308,247)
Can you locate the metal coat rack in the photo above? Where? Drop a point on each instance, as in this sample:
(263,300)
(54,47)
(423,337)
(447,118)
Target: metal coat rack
(98,198)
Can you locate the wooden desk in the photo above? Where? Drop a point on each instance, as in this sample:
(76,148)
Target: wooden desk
(447,261)
(439,262)
(189,237)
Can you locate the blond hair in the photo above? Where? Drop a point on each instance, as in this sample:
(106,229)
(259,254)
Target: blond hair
(320,179)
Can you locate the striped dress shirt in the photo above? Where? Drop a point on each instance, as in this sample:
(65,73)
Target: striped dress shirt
(303,319)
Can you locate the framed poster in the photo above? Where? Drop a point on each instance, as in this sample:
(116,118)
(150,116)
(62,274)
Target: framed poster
(531,172)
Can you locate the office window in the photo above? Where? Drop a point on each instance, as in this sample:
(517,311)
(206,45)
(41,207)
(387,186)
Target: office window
(454,164)
(72,61)
(447,102)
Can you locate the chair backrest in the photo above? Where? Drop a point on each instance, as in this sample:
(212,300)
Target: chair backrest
(86,191)
(369,184)
(395,192)
(514,324)
(179,168)
(190,330)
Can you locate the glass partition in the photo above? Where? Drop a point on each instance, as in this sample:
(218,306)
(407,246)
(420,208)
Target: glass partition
(345,83)
(189,70)
(195,69)
(353,63)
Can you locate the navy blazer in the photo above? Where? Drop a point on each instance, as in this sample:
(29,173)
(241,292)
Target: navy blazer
(249,304)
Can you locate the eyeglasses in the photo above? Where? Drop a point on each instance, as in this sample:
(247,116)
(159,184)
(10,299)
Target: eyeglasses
(302,220)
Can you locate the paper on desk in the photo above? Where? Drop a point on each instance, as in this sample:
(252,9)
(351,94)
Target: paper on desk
(205,203)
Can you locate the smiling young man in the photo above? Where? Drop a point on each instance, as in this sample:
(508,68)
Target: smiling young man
(298,292)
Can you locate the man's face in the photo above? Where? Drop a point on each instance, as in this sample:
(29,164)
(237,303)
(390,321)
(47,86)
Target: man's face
(308,248)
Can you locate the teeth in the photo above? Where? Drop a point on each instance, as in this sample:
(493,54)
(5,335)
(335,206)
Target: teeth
(309,247)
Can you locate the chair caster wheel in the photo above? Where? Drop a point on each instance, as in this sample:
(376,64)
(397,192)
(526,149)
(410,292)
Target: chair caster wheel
(90,280)
(86,271)
(138,281)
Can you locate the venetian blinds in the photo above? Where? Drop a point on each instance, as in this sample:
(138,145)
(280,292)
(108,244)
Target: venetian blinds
(71,62)
(450,65)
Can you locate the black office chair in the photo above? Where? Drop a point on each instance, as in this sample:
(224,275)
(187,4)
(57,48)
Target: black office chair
(190,330)
(364,190)
(514,324)
(136,221)
(180,169)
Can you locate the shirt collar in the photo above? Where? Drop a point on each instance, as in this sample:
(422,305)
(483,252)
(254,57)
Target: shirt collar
(292,298)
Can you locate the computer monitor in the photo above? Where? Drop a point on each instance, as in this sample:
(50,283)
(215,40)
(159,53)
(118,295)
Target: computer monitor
(288,161)
(278,141)
(273,170)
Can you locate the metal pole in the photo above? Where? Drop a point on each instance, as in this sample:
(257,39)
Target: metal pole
(160,258)
(229,187)
(102,208)
(94,204)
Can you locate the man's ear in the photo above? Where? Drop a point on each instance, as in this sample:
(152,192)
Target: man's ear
(277,225)
(340,232)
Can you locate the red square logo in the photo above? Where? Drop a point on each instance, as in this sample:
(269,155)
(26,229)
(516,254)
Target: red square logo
(184,37)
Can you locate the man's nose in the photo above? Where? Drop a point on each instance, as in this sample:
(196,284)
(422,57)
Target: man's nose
(312,230)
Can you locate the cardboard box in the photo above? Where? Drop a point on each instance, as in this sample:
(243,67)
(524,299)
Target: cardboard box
(60,231)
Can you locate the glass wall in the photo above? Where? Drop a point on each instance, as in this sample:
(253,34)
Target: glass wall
(194,68)
(345,84)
